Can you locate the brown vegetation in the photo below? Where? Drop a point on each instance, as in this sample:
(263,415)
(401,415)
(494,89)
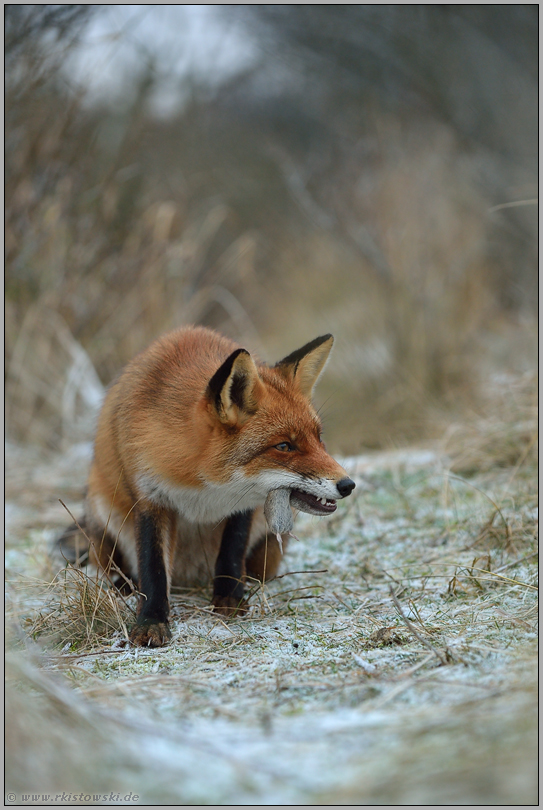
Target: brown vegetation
(120,226)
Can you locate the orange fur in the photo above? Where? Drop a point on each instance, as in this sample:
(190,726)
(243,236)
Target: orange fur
(193,431)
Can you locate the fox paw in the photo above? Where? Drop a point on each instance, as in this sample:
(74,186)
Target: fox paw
(150,633)
(230,606)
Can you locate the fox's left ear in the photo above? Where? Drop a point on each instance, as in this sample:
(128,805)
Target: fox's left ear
(306,364)
(234,390)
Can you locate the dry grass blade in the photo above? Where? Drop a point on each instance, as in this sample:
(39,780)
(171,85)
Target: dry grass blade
(112,565)
(441,657)
(82,612)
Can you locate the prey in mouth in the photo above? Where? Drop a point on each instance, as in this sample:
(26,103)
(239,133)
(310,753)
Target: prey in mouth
(278,512)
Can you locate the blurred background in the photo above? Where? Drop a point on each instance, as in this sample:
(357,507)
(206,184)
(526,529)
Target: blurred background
(275,172)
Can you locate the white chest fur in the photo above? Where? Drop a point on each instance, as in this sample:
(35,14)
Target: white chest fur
(212,502)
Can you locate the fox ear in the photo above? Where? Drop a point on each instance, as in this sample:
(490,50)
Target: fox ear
(306,364)
(234,389)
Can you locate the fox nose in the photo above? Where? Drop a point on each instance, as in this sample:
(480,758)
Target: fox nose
(345,487)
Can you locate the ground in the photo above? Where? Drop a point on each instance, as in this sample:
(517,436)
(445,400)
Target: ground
(392,662)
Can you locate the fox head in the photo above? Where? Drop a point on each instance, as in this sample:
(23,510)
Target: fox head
(269,431)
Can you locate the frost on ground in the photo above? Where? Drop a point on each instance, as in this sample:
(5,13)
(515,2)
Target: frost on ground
(392,662)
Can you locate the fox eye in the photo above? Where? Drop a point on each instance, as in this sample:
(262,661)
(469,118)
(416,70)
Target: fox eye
(285,447)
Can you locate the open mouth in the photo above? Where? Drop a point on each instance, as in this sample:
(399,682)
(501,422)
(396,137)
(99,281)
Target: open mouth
(311,504)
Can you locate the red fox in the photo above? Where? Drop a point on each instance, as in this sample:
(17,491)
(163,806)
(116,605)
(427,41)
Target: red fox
(192,437)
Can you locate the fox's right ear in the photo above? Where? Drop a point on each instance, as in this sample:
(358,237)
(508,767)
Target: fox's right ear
(234,390)
(305,365)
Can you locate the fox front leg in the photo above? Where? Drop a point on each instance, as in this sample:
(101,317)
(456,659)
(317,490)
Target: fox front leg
(228,584)
(153,535)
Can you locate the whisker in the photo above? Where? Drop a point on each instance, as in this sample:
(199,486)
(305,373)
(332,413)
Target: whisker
(326,401)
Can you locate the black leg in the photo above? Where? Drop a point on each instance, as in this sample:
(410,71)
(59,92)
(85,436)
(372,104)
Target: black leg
(228,585)
(151,628)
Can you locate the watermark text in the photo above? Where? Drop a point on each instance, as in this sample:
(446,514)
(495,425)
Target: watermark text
(70,798)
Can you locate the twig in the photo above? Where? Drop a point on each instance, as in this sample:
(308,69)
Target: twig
(513,204)
(516,562)
(289,573)
(440,656)
(295,590)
